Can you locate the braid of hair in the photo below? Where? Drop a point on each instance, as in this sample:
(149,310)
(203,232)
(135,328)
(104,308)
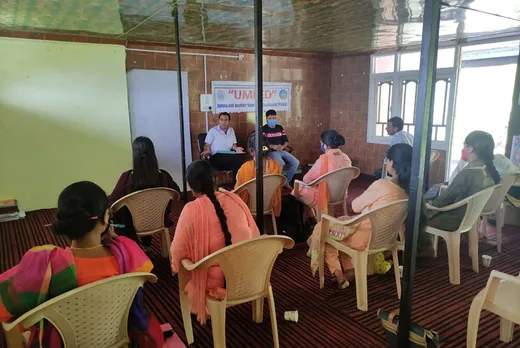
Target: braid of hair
(220,214)
(490,166)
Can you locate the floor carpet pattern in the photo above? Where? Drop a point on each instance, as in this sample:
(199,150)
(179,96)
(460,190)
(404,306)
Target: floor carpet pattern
(327,317)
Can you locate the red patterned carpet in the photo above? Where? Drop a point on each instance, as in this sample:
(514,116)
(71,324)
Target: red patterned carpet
(328,317)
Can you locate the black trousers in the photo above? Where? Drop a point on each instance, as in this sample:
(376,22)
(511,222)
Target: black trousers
(225,162)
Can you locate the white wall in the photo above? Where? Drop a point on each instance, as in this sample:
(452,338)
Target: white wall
(154,110)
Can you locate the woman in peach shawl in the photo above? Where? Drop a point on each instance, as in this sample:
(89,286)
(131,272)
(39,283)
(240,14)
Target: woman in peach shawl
(380,192)
(211,222)
(333,158)
(248,172)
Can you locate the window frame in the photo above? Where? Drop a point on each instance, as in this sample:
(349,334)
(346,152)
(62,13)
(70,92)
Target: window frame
(396,77)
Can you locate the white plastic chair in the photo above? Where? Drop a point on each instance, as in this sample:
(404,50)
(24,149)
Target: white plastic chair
(495,205)
(474,205)
(148,208)
(500,296)
(247,269)
(272,182)
(337,181)
(434,156)
(387,222)
(93,315)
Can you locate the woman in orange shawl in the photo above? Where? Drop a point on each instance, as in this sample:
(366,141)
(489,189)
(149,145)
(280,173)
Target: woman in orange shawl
(380,192)
(248,172)
(211,222)
(333,158)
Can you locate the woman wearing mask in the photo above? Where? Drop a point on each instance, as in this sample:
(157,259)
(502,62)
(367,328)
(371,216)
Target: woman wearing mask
(399,161)
(248,171)
(82,217)
(331,159)
(144,175)
(211,222)
(478,174)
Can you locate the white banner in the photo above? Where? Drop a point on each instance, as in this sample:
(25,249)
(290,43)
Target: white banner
(234,97)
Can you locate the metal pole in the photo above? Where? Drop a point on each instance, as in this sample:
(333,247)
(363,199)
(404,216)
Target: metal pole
(423,124)
(259,76)
(181,105)
(514,118)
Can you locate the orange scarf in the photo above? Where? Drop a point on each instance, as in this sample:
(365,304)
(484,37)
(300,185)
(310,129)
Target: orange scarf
(199,248)
(323,191)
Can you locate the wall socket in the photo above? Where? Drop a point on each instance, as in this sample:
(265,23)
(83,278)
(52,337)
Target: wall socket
(206,102)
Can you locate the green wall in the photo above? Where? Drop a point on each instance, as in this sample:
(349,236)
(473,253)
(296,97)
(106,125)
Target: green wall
(63,118)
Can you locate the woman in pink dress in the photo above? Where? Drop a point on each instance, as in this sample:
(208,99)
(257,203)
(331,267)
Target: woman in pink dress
(331,159)
(211,222)
(382,191)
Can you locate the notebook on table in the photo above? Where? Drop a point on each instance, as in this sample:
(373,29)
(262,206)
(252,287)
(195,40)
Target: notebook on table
(221,152)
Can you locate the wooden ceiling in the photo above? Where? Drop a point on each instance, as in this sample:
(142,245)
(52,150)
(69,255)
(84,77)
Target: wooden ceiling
(325,26)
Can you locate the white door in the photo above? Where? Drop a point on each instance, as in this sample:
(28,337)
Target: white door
(154,113)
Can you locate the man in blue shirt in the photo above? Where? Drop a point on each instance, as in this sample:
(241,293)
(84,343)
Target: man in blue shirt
(394,128)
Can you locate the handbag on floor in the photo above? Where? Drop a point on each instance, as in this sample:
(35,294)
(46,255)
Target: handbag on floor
(419,336)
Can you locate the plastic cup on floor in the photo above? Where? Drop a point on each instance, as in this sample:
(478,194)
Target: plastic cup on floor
(486,260)
(291,316)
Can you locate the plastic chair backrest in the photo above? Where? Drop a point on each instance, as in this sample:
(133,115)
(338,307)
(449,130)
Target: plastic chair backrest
(337,182)
(147,207)
(247,265)
(500,193)
(201,139)
(475,205)
(387,221)
(272,182)
(93,315)
(434,155)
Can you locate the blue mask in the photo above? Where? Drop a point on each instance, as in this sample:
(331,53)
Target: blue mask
(271,123)
(322,147)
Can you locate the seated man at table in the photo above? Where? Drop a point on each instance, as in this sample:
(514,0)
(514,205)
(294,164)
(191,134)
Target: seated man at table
(219,140)
(278,142)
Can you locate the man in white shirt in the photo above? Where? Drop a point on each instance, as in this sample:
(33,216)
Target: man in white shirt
(394,128)
(222,138)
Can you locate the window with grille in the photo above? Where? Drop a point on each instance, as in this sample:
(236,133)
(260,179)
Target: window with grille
(393,92)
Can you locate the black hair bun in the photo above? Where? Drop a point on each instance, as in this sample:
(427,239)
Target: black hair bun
(73,221)
(339,140)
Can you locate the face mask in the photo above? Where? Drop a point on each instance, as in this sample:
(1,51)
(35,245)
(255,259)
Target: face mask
(465,153)
(322,147)
(271,123)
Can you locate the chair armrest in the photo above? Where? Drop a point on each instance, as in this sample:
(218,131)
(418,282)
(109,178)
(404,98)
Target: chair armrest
(188,265)
(357,218)
(297,184)
(494,280)
(448,207)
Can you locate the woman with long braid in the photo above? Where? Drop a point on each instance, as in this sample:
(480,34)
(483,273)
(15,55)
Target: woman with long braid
(211,222)
(479,174)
